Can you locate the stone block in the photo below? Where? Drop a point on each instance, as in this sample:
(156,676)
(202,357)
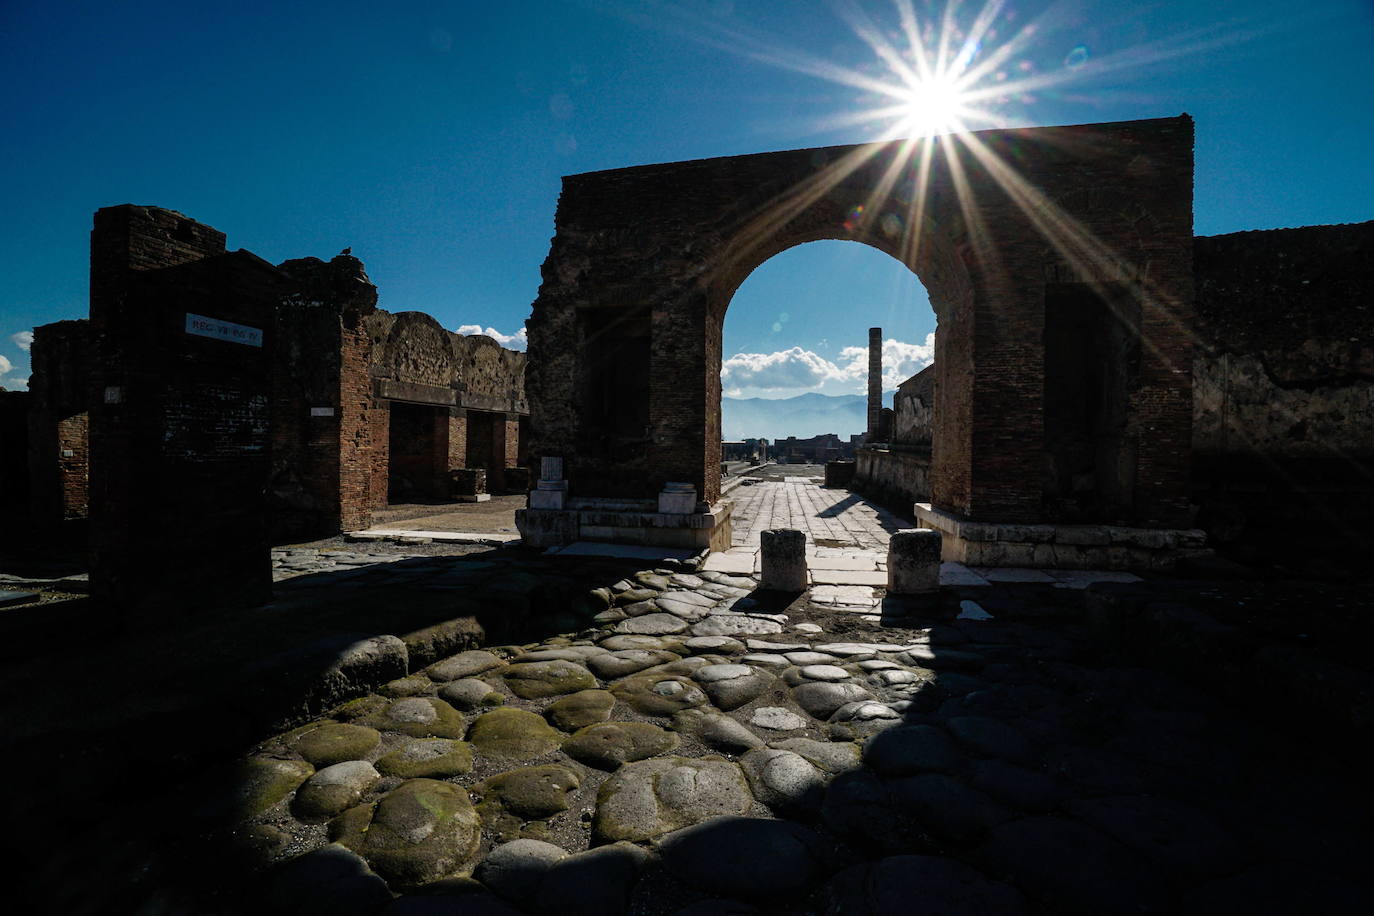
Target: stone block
(548,499)
(551,469)
(1083,535)
(541,527)
(783,552)
(913,562)
(677,499)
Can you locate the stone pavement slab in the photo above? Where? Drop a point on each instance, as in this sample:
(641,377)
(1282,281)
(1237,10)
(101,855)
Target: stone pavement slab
(11,598)
(621,551)
(452,537)
(848,577)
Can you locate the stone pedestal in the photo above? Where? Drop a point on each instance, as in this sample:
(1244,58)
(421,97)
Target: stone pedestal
(677,499)
(913,562)
(470,485)
(784,559)
(552,490)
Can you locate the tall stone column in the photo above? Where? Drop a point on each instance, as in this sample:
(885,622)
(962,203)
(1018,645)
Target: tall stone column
(875,384)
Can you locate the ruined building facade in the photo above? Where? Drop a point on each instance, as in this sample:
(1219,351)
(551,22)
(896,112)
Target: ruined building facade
(342,407)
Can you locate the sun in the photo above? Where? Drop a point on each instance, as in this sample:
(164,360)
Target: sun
(935,105)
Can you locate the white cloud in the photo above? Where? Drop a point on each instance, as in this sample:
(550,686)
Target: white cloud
(23,340)
(900,361)
(15,384)
(516,341)
(794,368)
(5,365)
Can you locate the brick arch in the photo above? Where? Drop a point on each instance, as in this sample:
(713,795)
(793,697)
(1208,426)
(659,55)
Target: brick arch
(624,335)
(927,252)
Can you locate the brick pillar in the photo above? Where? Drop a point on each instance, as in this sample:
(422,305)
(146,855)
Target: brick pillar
(875,384)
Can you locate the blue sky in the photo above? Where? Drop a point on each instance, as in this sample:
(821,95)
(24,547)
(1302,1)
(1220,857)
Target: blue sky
(431,137)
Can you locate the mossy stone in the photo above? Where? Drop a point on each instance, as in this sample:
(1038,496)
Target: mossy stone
(361,708)
(264,781)
(578,710)
(335,742)
(513,733)
(529,793)
(419,832)
(435,758)
(659,695)
(608,745)
(420,717)
(649,798)
(537,680)
(411,686)
(333,789)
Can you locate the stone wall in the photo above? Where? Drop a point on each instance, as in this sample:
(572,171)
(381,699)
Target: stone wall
(646,260)
(180,438)
(1284,382)
(913,408)
(58,459)
(895,476)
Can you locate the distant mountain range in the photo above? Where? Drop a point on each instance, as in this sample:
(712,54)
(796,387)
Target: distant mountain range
(803,416)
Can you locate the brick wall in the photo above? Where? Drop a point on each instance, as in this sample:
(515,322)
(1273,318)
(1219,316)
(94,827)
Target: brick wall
(180,430)
(58,457)
(1283,411)
(1096,204)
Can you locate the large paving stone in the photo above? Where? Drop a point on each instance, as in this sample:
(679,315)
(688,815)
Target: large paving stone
(990,736)
(820,699)
(777,718)
(1017,786)
(578,710)
(911,749)
(556,677)
(427,758)
(735,625)
(858,808)
(744,858)
(261,782)
(610,744)
(929,885)
(592,883)
(1068,867)
(514,734)
(335,742)
(655,624)
(946,806)
(657,695)
(469,693)
(464,664)
(640,641)
(783,780)
(331,880)
(716,730)
(419,717)
(652,797)
(421,831)
(732,686)
(613,665)
(334,788)
(831,756)
(515,870)
(534,793)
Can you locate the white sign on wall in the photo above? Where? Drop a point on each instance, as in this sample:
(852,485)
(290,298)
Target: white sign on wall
(322,411)
(223,330)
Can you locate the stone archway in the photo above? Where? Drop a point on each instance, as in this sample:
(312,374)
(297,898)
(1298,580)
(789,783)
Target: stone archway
(625,334)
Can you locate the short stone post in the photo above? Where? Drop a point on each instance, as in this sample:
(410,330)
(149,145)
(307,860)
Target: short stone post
(913,562)
(551,492)
(784,559)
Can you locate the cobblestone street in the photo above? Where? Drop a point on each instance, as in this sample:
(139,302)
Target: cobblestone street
(685,743)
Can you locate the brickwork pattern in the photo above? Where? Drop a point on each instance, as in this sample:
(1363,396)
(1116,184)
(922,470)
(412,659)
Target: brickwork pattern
(1107,204)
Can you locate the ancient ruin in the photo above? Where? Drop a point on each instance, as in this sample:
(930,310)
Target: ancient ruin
(1090,250)
(686,695)
(280,394)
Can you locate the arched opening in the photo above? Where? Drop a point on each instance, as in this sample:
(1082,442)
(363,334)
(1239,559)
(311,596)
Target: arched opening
(796,357)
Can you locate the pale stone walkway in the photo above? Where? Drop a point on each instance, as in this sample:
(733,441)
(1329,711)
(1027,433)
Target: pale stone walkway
(836,519)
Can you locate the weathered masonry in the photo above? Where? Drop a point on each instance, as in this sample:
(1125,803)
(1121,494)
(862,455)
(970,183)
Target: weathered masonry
(1035,245)
(280,394)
